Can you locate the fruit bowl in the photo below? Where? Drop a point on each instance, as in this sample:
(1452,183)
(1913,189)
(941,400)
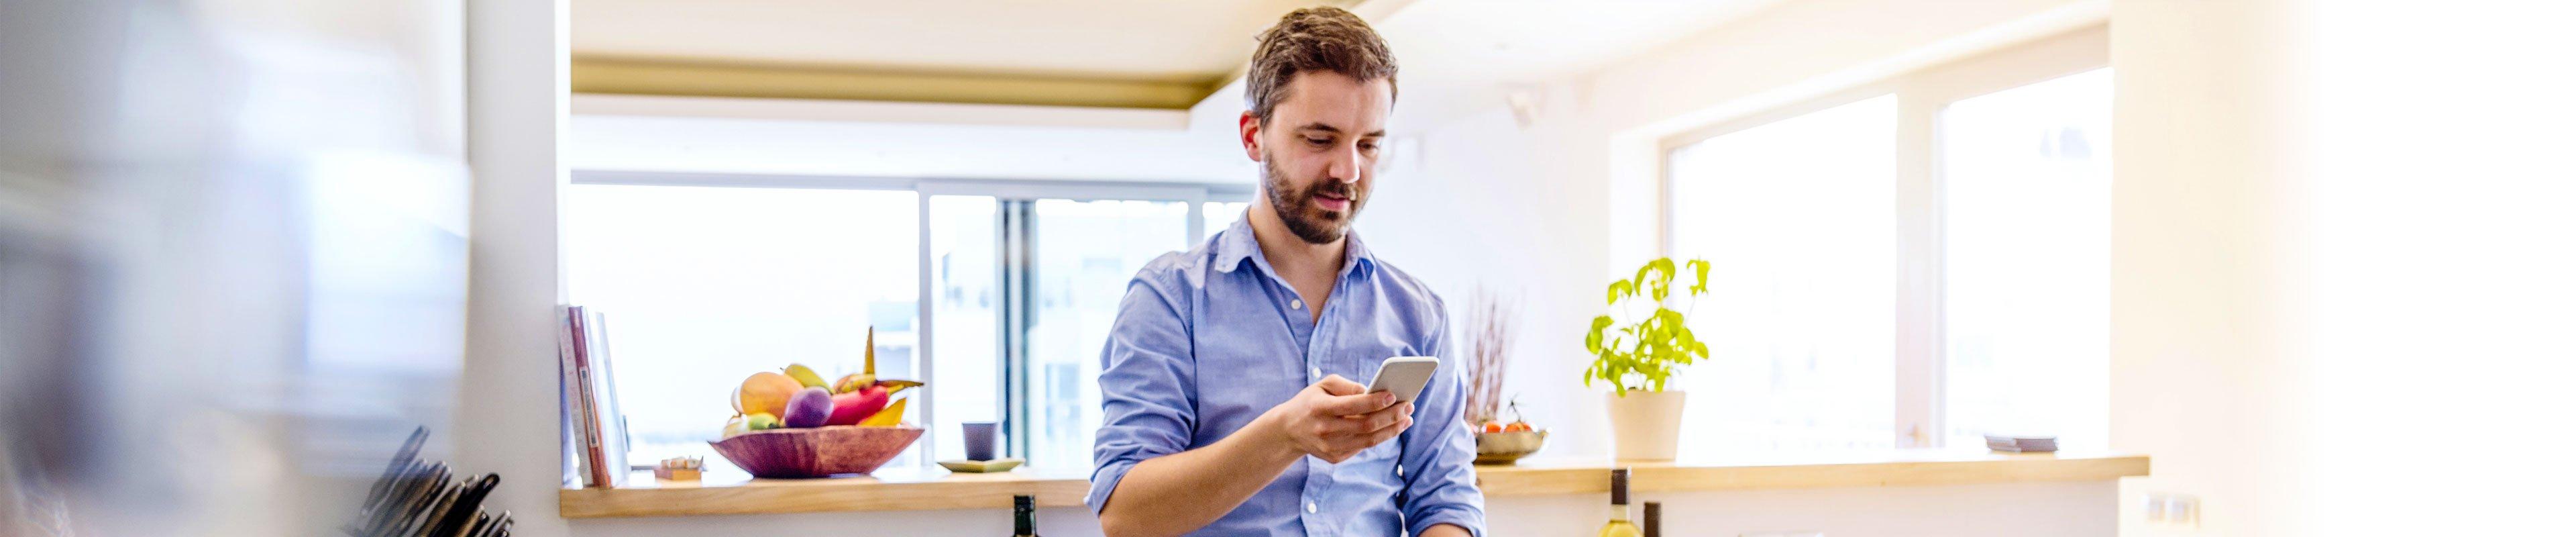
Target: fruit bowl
(1505,447)
(816,451)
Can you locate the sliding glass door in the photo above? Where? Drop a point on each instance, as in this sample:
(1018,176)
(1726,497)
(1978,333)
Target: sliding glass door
(1025,290)
(1081,257)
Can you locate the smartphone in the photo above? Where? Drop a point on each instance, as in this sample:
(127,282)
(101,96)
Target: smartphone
(1404,375)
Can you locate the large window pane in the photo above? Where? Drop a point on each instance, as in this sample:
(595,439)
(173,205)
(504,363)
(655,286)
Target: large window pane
(2027,220)
(702,286)
(1085,254)
(965,304)
(1797,218)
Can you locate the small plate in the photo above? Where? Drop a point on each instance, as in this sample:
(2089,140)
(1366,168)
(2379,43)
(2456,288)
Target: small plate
(1004,464)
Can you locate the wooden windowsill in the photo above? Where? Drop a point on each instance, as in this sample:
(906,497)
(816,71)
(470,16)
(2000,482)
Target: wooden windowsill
(913,489)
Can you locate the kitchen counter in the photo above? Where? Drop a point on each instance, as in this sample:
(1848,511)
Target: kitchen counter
(932,488)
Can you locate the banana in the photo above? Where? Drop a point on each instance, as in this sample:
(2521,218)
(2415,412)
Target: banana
(892,415)
(853,382)
(805,375)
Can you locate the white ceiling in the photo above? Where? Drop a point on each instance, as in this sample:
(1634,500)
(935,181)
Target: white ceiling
(1533,39)
(1135,39)
(1454,53)
(1464,55)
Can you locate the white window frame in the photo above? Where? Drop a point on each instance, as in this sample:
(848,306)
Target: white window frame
(1195,195)
(1921,363)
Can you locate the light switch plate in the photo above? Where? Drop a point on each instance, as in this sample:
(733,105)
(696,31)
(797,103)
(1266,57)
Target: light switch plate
(2172,510)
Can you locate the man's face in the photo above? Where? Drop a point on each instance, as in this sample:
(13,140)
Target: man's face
(1319,151)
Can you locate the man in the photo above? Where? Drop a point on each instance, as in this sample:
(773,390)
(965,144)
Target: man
(1227,405)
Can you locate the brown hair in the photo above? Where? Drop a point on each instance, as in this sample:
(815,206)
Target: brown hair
(1314,39)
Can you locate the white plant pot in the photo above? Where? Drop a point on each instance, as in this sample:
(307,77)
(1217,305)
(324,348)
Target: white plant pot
(1646,426)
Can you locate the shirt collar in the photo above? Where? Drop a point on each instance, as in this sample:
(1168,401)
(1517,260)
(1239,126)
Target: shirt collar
(1236,244)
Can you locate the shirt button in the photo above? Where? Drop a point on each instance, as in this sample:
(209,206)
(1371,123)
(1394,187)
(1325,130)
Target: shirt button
(1298,304)
(1399,470)
(1316,372)
(1310,507)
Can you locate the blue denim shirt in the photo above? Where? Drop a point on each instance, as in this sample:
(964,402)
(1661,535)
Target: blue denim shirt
(1207,340)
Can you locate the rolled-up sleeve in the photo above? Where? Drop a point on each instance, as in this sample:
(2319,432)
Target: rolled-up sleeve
(1147,407)
(1440,453)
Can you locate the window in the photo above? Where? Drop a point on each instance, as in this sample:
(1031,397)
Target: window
(1912,263)
(703,285)
(1794,217)
(2026,183)
(705,279)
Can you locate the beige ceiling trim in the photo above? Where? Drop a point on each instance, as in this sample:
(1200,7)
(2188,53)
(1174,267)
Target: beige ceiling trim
(649,77)
(594,104)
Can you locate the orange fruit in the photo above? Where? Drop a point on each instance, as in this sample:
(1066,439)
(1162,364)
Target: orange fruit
(766,393)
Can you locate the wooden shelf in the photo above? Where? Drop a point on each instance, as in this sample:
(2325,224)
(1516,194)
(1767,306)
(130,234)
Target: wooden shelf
(1882,468)
(912,489)
(904,489)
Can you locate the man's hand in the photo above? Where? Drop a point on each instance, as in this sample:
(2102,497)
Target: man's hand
(1178,493)
(1335,419)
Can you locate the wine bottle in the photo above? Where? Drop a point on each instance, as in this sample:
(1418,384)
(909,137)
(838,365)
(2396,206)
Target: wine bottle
(1023,513)
(1619,525)
(1654,519)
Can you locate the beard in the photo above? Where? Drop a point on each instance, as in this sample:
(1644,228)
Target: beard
(1296,206)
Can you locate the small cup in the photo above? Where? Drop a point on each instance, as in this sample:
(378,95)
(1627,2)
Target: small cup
(979,440)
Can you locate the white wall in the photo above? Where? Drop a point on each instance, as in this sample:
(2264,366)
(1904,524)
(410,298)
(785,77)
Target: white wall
(505,417)
(2445,260)
(2341,263)
(2204,252)
(1461,208)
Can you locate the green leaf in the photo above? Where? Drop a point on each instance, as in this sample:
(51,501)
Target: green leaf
(1664,267)
(1699,267)
(1683,339)
(1656,278)
(1592,342)
(1619,289)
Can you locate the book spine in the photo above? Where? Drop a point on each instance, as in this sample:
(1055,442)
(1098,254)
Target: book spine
(596,456)
(576,466)
(612,420)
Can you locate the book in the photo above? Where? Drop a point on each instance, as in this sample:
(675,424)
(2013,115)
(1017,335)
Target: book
(608,417)
(594,432)
(588,405)
(575,422)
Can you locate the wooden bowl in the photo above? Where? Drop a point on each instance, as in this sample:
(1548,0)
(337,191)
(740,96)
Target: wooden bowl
(816,451)
(1505,447)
